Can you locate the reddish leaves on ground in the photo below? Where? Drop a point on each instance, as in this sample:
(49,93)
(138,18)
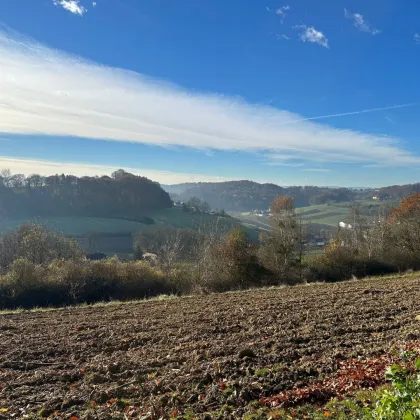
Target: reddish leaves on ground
(354,374)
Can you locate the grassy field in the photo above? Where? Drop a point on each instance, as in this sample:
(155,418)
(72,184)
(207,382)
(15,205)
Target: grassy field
(80,226)
(332,214)
(236,355)
(323,215)
(329,215)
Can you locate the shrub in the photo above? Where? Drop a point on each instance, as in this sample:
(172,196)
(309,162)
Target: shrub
(402,401)
(28,285)
(36,244)
(227,263)
(338,267)
(340,262)
(181,278)
(61,282)
(397,400)
(139,280)
(91,281)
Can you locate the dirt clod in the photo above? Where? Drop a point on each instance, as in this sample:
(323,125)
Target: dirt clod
(247,353)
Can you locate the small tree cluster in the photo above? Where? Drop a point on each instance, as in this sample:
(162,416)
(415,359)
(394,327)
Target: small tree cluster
(389,242)
(194,204)
(232,263)
(36,244)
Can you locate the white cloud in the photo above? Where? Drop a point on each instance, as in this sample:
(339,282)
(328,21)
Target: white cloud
(310,34)
(417,38)
(73,6)
(360,23)
(282,36)
(45,168)
(43,91)
(282,10)
(282,159)
(94,4)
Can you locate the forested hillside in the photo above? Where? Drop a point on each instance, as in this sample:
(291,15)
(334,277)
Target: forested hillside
(395,192)
(121,195)
(248,195)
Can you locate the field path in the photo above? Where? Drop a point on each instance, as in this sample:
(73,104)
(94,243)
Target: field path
(165,358)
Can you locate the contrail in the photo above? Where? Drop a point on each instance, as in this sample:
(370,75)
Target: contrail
(364,111)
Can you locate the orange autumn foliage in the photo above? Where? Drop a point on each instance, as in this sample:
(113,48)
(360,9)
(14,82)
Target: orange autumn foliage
(282,203)
(408,207)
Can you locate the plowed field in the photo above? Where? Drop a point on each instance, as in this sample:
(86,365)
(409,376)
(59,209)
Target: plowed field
(218,354)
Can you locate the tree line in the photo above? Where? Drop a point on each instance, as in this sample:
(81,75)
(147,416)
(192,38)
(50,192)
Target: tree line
(248,195)
(41,268)
(120,195)
(387,242)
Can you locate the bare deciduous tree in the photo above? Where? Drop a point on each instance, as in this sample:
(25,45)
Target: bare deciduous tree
(282,249)
(170,251)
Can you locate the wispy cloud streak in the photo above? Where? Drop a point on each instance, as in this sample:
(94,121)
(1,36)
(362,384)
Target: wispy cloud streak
(360,23)
(363,111)
(44,91)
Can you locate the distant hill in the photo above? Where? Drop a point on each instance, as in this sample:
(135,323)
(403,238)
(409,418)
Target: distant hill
(395,192)
(249,195)
(233,195)
(241,196)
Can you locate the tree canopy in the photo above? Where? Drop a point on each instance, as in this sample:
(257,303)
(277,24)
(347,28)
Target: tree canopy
(121,195)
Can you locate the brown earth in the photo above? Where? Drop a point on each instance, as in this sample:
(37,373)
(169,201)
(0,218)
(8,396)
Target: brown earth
(219,354)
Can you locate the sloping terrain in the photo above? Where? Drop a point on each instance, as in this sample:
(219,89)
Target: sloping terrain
(222,353)
(320,216)
(78,226)
(245,195)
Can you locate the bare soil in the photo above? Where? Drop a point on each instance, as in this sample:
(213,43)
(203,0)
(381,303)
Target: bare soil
(215,355)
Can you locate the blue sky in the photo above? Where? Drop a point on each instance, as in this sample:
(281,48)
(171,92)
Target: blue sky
(196,90)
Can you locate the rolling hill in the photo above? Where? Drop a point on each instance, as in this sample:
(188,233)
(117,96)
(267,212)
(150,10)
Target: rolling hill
(116,233)
(245,196)
(242,196)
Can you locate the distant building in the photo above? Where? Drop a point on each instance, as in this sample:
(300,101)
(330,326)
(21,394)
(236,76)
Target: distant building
(345,225)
